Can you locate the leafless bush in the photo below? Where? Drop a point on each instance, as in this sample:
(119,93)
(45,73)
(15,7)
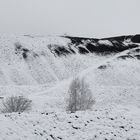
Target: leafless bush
(15,104)
(80,96)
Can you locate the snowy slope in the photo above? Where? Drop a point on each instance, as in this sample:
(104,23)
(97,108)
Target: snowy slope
(114,80)
(41,68)
(33,60)
(118,123)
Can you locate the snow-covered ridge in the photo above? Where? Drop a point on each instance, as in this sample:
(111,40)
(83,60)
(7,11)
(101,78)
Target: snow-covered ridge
(105,45)
(33,60)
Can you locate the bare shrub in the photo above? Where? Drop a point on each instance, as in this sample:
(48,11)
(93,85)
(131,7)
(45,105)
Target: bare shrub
(80,96)
(15,104)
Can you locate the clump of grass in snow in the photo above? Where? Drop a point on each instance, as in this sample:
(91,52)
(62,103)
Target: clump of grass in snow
(15,104)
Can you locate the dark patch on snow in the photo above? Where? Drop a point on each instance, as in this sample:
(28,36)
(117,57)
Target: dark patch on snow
(137,50)
(59,138)
(122,127)
(137,56)
(63,50)
(134,52)
(93,45)
(102,67)
(76,116)
(24,55)
(82,50)
(74,127)
(21,50)
(52,136)
(72,50)
(79,40)
(59,50)
(125,57)
(25,50)
(136,39)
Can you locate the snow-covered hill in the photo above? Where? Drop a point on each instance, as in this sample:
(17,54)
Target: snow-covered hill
(41,68)
(33,60)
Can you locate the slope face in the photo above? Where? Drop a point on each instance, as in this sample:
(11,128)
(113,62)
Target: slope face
(42,66)
(122,70)
(32,60)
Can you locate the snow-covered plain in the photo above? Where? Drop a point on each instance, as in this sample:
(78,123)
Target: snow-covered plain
(31,66)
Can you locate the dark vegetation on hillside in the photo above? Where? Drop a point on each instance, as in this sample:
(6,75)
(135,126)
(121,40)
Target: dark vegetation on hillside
(81,45)
(24,52)
(136,39)
(98,46)
(133,54)
(19,49)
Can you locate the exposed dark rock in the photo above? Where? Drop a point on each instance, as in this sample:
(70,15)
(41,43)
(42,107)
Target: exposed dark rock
(75,127)
(25,50)
(57,52)
(52,136)
(79,40)
(90,47)
(122,127)
(24,54)
(63,50)
(136,39)
(94,45)
(21,50)
(82,50)
(102,67)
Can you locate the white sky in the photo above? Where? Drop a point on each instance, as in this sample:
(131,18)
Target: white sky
(89,18)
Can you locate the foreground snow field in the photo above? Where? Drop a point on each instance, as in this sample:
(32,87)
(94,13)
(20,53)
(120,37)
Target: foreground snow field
(42,72)
(116,122)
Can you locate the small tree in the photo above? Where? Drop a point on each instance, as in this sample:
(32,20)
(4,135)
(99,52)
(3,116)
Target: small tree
(80,96)
(15,104)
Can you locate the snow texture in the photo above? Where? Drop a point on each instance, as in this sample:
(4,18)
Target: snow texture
(42,67)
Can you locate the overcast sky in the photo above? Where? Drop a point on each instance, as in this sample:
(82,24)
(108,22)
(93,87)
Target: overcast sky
(89,18)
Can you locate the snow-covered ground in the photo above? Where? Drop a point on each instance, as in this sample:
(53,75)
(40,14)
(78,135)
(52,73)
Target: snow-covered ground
(44,78)
(117,122)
